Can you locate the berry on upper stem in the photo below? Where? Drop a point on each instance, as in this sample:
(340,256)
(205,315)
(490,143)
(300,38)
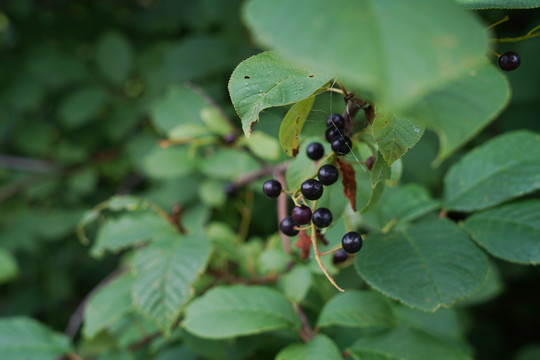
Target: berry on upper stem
(287,226)
(315,151)
(331,134)
(351,242)
(311,189)
(341,145)
(328,174)
(369,163)
(509,61)
(301,214)
(272,188)
(230,190)
(322,217)
(335,120)
(339,256)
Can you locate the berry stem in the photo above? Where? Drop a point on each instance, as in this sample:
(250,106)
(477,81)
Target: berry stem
(331,251)
(318,258)
(504,19)
(531,34)
(389,226)
(282,211)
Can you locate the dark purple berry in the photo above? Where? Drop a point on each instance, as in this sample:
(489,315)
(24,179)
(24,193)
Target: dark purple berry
(229,138)
(301,214)
(369,163)
(331,134)
(287,226)
(341,145)
(339,256)
(230,190)
(322,217)
(335,120)
(328,174)
(351,242)
(315,151)
(272,188)
(509,61)
(311,189)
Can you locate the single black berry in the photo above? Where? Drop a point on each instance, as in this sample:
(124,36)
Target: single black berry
(509,61)
(229,138)
(301,214)
(272,188)
(351,242)
(315,151)
(341,145)
(335,120)
(287,226)
(311,189)
(339,256)
(230,190)
(328,174)
(331,134)
(369,163)
(322,217)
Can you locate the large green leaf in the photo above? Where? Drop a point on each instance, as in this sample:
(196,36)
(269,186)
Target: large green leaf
(25,338)
(164,275)
(289,131)
(266,80)
(398,51)
(405,344)
(129,229)
(510,232)
(499,4)
(459,110)
(109,304)
(427,265)
(169,162)
(114,57)
(81,106)
(8,266)
(318,348)
(230,311)
(395,135)
(296,283)
(408,203)
(501,169)
(228,164)
(355,308)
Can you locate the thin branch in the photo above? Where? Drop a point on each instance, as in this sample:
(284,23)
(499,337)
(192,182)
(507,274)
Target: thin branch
(262,172)
(26,164)
(306,333)
(282,211)
(144,341)
(318,258)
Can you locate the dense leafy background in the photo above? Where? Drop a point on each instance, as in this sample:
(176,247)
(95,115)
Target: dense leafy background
(90,90)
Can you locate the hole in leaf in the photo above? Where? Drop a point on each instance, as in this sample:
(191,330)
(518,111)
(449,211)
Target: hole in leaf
(311,76)
(247,77)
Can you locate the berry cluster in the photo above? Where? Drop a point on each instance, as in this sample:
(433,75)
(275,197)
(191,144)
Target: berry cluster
(313,188)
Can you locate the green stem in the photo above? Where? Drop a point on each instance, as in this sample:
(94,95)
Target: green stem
(531,34)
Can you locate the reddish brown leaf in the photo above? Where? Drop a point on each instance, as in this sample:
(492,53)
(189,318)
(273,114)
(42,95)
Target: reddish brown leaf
(304,244)
(369,111)
(349,183)
(321,237)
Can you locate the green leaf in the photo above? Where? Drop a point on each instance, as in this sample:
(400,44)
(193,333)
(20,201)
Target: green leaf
(458,111)
(379,174)
(180,106)
(228,164)
(82,106)
(291,126)
(164,274)
(266,80)
(318,348)
(300,168)
(445,323)
(500,169)
(491,288)
(296,283)
(229,311)
(212,193)
(395,135)
(8,266)
(405,344)
(263,145)
(359,309)
(130,229)
(510,232)
(114,57)
(169,162)
(419,56)
(109,304)
(499,4)
(409,202)
(25,338)
(427,265)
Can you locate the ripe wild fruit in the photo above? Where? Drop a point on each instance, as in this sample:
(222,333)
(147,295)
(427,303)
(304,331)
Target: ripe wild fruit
(230,190)
(369,163)
(322,217)
(509,61)
(339,256)
(351,242)
(287,226)
(328,174)
(341,145)
(315,151)
(335,120)
(301,214)
(272,188)
(311,189)
(331,134)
